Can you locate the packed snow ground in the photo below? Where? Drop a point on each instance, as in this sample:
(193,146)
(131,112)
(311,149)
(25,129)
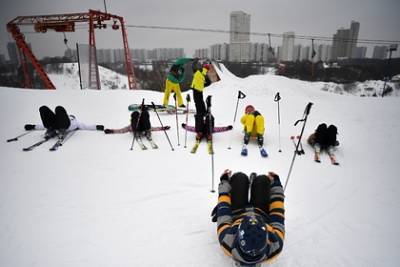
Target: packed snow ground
(96,203)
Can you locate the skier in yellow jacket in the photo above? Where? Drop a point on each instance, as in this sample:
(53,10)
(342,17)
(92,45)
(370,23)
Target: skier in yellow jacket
(199,82)
(253,123)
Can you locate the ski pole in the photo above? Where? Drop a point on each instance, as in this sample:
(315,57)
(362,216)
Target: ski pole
(162,126)
(301,147)
(241,95)
(210,130)
(276,99)
(137,124)
(187,115)
(16,138)
(294,143)
(304,120)
(176,116)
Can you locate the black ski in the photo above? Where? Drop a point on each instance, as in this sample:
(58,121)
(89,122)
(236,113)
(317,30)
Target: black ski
(152,143)
(44,140)
(62,138)
(21,135)
(140,142)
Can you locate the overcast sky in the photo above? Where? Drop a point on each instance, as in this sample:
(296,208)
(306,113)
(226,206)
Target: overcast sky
(378,20)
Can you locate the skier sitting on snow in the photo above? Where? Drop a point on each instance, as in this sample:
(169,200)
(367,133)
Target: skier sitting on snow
(140,124)
(252,231)
(253,123)
(199,82)
(59,122)
(324,138)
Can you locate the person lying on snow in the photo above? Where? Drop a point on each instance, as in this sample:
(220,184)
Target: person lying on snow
(324,139)
(140,125)
(59,122)
(251,232)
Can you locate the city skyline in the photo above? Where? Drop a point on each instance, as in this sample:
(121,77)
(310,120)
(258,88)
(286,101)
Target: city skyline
(318,18)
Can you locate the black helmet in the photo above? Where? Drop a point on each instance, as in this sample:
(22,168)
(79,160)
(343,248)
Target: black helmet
(252,236)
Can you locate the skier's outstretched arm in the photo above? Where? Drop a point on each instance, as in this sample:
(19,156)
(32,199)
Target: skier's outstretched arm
(224,213)
(119,131)
(276,213)
(31,127)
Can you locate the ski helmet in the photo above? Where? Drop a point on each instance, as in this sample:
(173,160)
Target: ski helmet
(206,66)
(249,109)
(252,236)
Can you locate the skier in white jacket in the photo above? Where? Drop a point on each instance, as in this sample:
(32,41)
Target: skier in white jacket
(59,122)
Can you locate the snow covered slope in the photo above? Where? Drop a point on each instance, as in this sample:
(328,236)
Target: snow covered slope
(96,203)
(69,78)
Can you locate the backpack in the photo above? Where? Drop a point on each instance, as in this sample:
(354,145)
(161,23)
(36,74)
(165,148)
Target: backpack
(331,135)
(140,121)
(321,134)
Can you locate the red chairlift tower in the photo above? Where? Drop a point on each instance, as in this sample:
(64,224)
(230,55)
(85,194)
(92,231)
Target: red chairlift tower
(66,23)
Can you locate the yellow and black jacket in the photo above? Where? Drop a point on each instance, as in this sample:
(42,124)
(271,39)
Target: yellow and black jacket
(199,79)
(253,123)
(228,222)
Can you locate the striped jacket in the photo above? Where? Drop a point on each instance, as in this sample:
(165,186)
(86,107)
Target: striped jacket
(228,222)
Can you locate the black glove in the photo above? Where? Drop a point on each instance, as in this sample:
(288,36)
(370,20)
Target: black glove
(214,214)
(99,127)
(230,127)
(29,127)
(276,180)
(224,177)
(108,131)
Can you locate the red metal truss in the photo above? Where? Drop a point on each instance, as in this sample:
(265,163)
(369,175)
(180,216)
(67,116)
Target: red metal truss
(65,23)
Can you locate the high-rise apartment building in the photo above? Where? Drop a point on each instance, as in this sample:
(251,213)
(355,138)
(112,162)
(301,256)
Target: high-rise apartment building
(13,53)
(345,40)
(296,52)
(219,51)
(201,53)
(359,52)
(305,53)
(239,36)
(287,46)
(380,52)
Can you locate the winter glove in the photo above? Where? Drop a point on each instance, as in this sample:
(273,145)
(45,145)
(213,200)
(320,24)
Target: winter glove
(224,186)
(230,127)
(29,127)
(224,177)
(214,214)
(108,131)
(274,178)
(100,127)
